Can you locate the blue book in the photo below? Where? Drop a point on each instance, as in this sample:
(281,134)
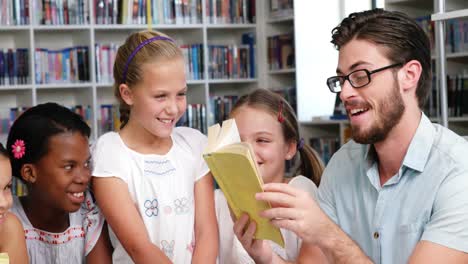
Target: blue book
(249,39)
(2,68)
(195,62)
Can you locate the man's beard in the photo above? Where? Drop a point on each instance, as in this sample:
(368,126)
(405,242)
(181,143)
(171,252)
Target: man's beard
(389,114)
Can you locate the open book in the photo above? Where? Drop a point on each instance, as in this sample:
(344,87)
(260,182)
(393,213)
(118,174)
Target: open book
(233,165)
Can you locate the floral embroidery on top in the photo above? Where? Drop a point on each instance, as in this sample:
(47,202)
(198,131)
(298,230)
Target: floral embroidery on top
(18,149)
(181,206)
(54,238)
(168,248)
(151,208)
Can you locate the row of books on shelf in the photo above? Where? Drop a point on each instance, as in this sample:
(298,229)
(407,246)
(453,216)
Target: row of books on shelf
(136,11)
(105,57)
(456,33)
(7,116)
(65,12)
(61,12)
(68,65)
(195,117)
(281,51)
(14,12)
(14,66)
(109,118)
(71,65)
(231,11)
(194,65)
(325,146)
(220,107)
(229,62)
(457,97)
(233,61)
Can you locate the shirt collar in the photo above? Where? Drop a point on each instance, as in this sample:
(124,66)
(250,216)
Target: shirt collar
(418,151)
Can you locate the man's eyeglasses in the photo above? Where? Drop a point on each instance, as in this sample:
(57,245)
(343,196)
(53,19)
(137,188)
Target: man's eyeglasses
(357,79)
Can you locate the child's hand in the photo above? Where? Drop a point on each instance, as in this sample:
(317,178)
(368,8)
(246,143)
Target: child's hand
(259,250)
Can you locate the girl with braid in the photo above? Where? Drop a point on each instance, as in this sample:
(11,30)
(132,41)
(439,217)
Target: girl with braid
(268,123)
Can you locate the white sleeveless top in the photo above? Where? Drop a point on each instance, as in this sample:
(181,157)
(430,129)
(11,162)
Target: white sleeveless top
(68,247)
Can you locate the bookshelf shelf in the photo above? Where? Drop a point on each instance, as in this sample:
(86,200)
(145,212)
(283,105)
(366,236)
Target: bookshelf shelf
(454,56)
(14,28)
(195,82)
(282,71)
(284,19)
(458,119)
(64,85)
(450,15)
(142,27)
(60,27)
(220,81)
(104,85)
(16,87)
(231,26)
(325,122)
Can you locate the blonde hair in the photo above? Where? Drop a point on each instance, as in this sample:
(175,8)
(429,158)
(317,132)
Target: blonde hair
(311,166)
(128,69)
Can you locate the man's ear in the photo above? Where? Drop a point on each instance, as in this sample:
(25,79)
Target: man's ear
(28,173)
(126,94)
(409,76)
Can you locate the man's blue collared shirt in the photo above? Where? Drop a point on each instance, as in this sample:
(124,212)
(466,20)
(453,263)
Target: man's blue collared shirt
(426,200)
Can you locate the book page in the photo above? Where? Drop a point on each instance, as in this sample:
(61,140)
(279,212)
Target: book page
(229,134)
(213,134)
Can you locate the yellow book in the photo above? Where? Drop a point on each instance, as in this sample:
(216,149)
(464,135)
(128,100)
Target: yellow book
(4,259)
(233,165)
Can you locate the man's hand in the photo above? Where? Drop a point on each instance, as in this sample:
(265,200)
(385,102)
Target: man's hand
(294,210)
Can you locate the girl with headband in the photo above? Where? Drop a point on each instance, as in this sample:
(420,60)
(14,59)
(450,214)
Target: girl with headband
(150,179)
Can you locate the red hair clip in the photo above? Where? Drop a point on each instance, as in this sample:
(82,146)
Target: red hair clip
(280,113)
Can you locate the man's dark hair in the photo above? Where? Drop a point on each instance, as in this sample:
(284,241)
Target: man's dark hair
(400,35)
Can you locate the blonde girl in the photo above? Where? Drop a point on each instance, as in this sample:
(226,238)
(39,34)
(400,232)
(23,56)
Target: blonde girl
(149,178)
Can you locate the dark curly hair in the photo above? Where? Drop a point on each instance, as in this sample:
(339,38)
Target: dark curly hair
(401,36)
(36,125)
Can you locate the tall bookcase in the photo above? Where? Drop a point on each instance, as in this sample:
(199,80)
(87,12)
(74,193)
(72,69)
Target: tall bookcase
(92,94)
(455,47)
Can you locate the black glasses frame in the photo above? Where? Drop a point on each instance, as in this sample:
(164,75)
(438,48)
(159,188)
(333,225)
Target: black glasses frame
(332,80)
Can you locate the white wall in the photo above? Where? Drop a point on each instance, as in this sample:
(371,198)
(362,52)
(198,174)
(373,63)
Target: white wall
(316,58)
